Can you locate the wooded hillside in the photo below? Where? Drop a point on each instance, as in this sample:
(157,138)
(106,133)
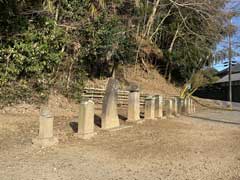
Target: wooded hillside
(58,44)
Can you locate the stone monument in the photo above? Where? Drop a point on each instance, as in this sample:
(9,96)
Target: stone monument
(175,106)
(158,106)
(109,110)
(169,108)
(133,103)
(86,120)
(45,137)
(149,108)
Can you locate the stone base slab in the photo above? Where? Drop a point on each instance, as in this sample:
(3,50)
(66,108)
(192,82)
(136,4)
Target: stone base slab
(119,128)
(45,142)
(154,119)
(85,135)
(135,121)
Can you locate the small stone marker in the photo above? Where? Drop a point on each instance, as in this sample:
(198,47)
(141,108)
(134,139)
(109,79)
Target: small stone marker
(188,105)
(175,106)
(158,106)
(194,107)
(133,104)
(169,108)
(179,104)
(191,105)
(109,111)
(185,106)
(86,120)
(45,137)
(149,108)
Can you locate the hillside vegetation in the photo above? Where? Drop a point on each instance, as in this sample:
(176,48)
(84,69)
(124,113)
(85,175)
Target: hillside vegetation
(60,45)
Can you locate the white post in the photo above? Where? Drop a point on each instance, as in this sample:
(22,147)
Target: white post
(149,108)
(86,120)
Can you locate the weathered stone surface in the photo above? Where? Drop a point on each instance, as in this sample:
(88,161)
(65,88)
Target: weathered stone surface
(179,105)
(194,107)
(158,106)
(185,106)
(133,88)
(149,108)
(188,106)
(109,111)
(45,137)
(191,106)
(169,108)
(133,106)
(175,106)
(86,120)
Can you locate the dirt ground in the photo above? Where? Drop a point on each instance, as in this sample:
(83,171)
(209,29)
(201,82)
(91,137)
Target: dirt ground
(184,148)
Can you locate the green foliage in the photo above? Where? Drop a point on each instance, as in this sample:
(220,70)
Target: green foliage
(104,43)
(49,44)
(32,55)
(29,60)
(38,50)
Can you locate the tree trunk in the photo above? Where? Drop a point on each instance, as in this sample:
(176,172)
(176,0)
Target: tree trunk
(170,72)
(166,70)
(151,19)
(137,3)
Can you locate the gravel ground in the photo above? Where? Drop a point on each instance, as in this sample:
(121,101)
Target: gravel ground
(205,146)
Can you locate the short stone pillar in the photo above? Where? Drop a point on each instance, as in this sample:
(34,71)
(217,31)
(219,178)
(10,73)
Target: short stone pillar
(133,104)
(179,105)
(149,108)
(86,120)
(158,106)
(169,108)
(175,106)
(194,107)
(187,106)
(109,110)
(191,105)
(45,137)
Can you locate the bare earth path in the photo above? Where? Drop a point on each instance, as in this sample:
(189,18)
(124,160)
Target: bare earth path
(185,148)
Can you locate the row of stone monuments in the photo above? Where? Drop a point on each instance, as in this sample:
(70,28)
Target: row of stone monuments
(154,109)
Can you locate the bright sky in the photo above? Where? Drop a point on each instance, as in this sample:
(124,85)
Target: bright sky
(235,38)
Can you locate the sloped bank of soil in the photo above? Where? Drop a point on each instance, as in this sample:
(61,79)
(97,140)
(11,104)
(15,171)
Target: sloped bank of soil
(149,82)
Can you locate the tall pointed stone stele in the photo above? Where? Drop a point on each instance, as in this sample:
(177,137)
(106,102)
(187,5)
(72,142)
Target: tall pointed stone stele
(109,110)
(133,103)
(86,120)
(45,137)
